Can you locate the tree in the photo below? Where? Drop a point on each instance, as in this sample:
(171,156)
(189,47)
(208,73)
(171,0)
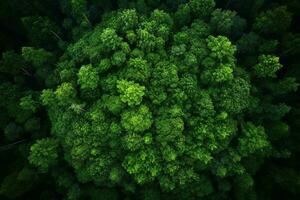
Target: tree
(88,77)
(267,66)
(44,154)
(131,93)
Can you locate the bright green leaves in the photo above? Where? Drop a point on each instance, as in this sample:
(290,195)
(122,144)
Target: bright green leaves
(169,131)
(66,70)
(132,141)
(44,154)
(48,97)
(87,139)
(77,108)
(169,154)
(224,130)
(221,74)
(201,155)
(110,39)
(143,165)
(221,49)
(148,41)
(137,119)
(88,77)
(131,93)
(253,140)
(135,141)
(127,20)
(220,62)
(153,32)
(267,66)
(210,136)
(65,93)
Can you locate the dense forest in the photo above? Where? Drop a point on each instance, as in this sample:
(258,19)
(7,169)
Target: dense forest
(150,99)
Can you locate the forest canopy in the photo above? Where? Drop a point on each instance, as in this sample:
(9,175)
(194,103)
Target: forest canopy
(147,99)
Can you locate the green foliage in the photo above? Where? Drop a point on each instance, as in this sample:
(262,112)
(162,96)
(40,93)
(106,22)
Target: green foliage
(48,97)
(143,165)
(110,39)
(78,9)
(44,154)
(65,93)
(88,77)
(13,131)
(11,62)
(170,100)
(267,66)
(220,61)
(235,97)
(274,21)
(38,57)
(137,120)
(202,8)
(137,70)
(284,86)
(152,100)
(222,21)
(28,103)
(253,140)
(131,93)
(15,185)
(41,30)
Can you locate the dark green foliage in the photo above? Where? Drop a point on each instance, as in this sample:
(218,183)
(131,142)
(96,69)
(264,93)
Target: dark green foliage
(274,21)
(148,99)
(42,31)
